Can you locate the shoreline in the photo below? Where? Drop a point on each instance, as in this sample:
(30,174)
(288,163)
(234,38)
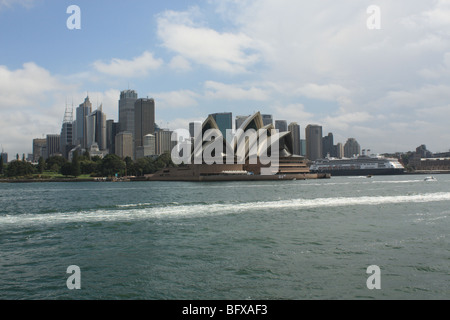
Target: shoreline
(204,178)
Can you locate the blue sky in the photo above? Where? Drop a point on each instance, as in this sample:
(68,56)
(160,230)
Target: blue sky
(303,61)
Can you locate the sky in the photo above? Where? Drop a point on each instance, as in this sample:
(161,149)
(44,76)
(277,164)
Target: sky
(381,77)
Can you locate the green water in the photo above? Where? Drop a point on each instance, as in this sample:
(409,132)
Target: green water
(237,240)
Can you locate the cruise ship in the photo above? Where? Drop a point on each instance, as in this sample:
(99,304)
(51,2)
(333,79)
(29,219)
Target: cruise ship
(363,165)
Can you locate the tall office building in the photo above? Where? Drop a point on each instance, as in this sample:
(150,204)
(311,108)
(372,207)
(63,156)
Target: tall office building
(281,125)
(53,144)
(96,129)
(294,129)
(339,150)
(83,111)
(314,149)
(144,120)
(148,148)
(124,145)
(328,146)
(38,145)
(267,119)
(224,121)
(112,129)
(126,110)
(194,127)
(351,148)
(66,139)
(164,143)
(4,157)
(240,120)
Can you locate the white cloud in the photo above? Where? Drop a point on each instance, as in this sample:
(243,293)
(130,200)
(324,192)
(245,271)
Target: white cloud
(330,92)
(221,51)
(176,99)
(179,63)
(26,86)
(293,113)
(217,90)
(11,3)
(137,67)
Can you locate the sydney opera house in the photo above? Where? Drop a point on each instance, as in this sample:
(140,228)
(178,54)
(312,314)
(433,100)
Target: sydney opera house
(253,152)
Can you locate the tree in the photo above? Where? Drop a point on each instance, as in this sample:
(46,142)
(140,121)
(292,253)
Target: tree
(76,169)
(67,169)
(41,165)
(19,168)
(112,164)
(55,163)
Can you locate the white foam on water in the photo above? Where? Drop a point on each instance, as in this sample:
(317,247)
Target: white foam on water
(135,212)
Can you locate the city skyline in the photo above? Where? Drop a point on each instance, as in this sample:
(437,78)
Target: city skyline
(321,65)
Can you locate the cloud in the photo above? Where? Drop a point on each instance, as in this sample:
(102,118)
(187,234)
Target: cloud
(137,67)
(26,86)
(11,3)
(220,51)
(217,90)
(179,63)
(293,113)
(330,92)
(176,99)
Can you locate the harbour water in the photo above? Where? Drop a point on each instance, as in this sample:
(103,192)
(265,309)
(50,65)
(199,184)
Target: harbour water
(276,240)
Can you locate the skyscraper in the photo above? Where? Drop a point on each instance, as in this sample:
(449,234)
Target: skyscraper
(83,111)
(328,146)
(281,125)
(126,110)
(112,128)
(96,129)
(66,139)
(38,145)
(224,122)
(144,120)
(351,148)
(240,120)
(53,145)
(164,143)
(124,145)
(314,142)
(267,119)
(194,127)
(294,128)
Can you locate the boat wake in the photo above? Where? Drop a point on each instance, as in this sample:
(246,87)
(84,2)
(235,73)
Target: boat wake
(141,211)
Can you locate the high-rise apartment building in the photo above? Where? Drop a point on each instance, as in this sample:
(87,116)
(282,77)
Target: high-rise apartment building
(314,149)
(144,120)
(294,129)
(351,148)
(224,121)
(126,110)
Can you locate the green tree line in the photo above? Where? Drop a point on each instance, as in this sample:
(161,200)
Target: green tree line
(109,166)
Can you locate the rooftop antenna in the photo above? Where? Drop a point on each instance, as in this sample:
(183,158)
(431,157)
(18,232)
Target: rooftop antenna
(68,114)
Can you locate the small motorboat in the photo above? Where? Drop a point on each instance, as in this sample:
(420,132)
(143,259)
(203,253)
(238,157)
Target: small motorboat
(430,179)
